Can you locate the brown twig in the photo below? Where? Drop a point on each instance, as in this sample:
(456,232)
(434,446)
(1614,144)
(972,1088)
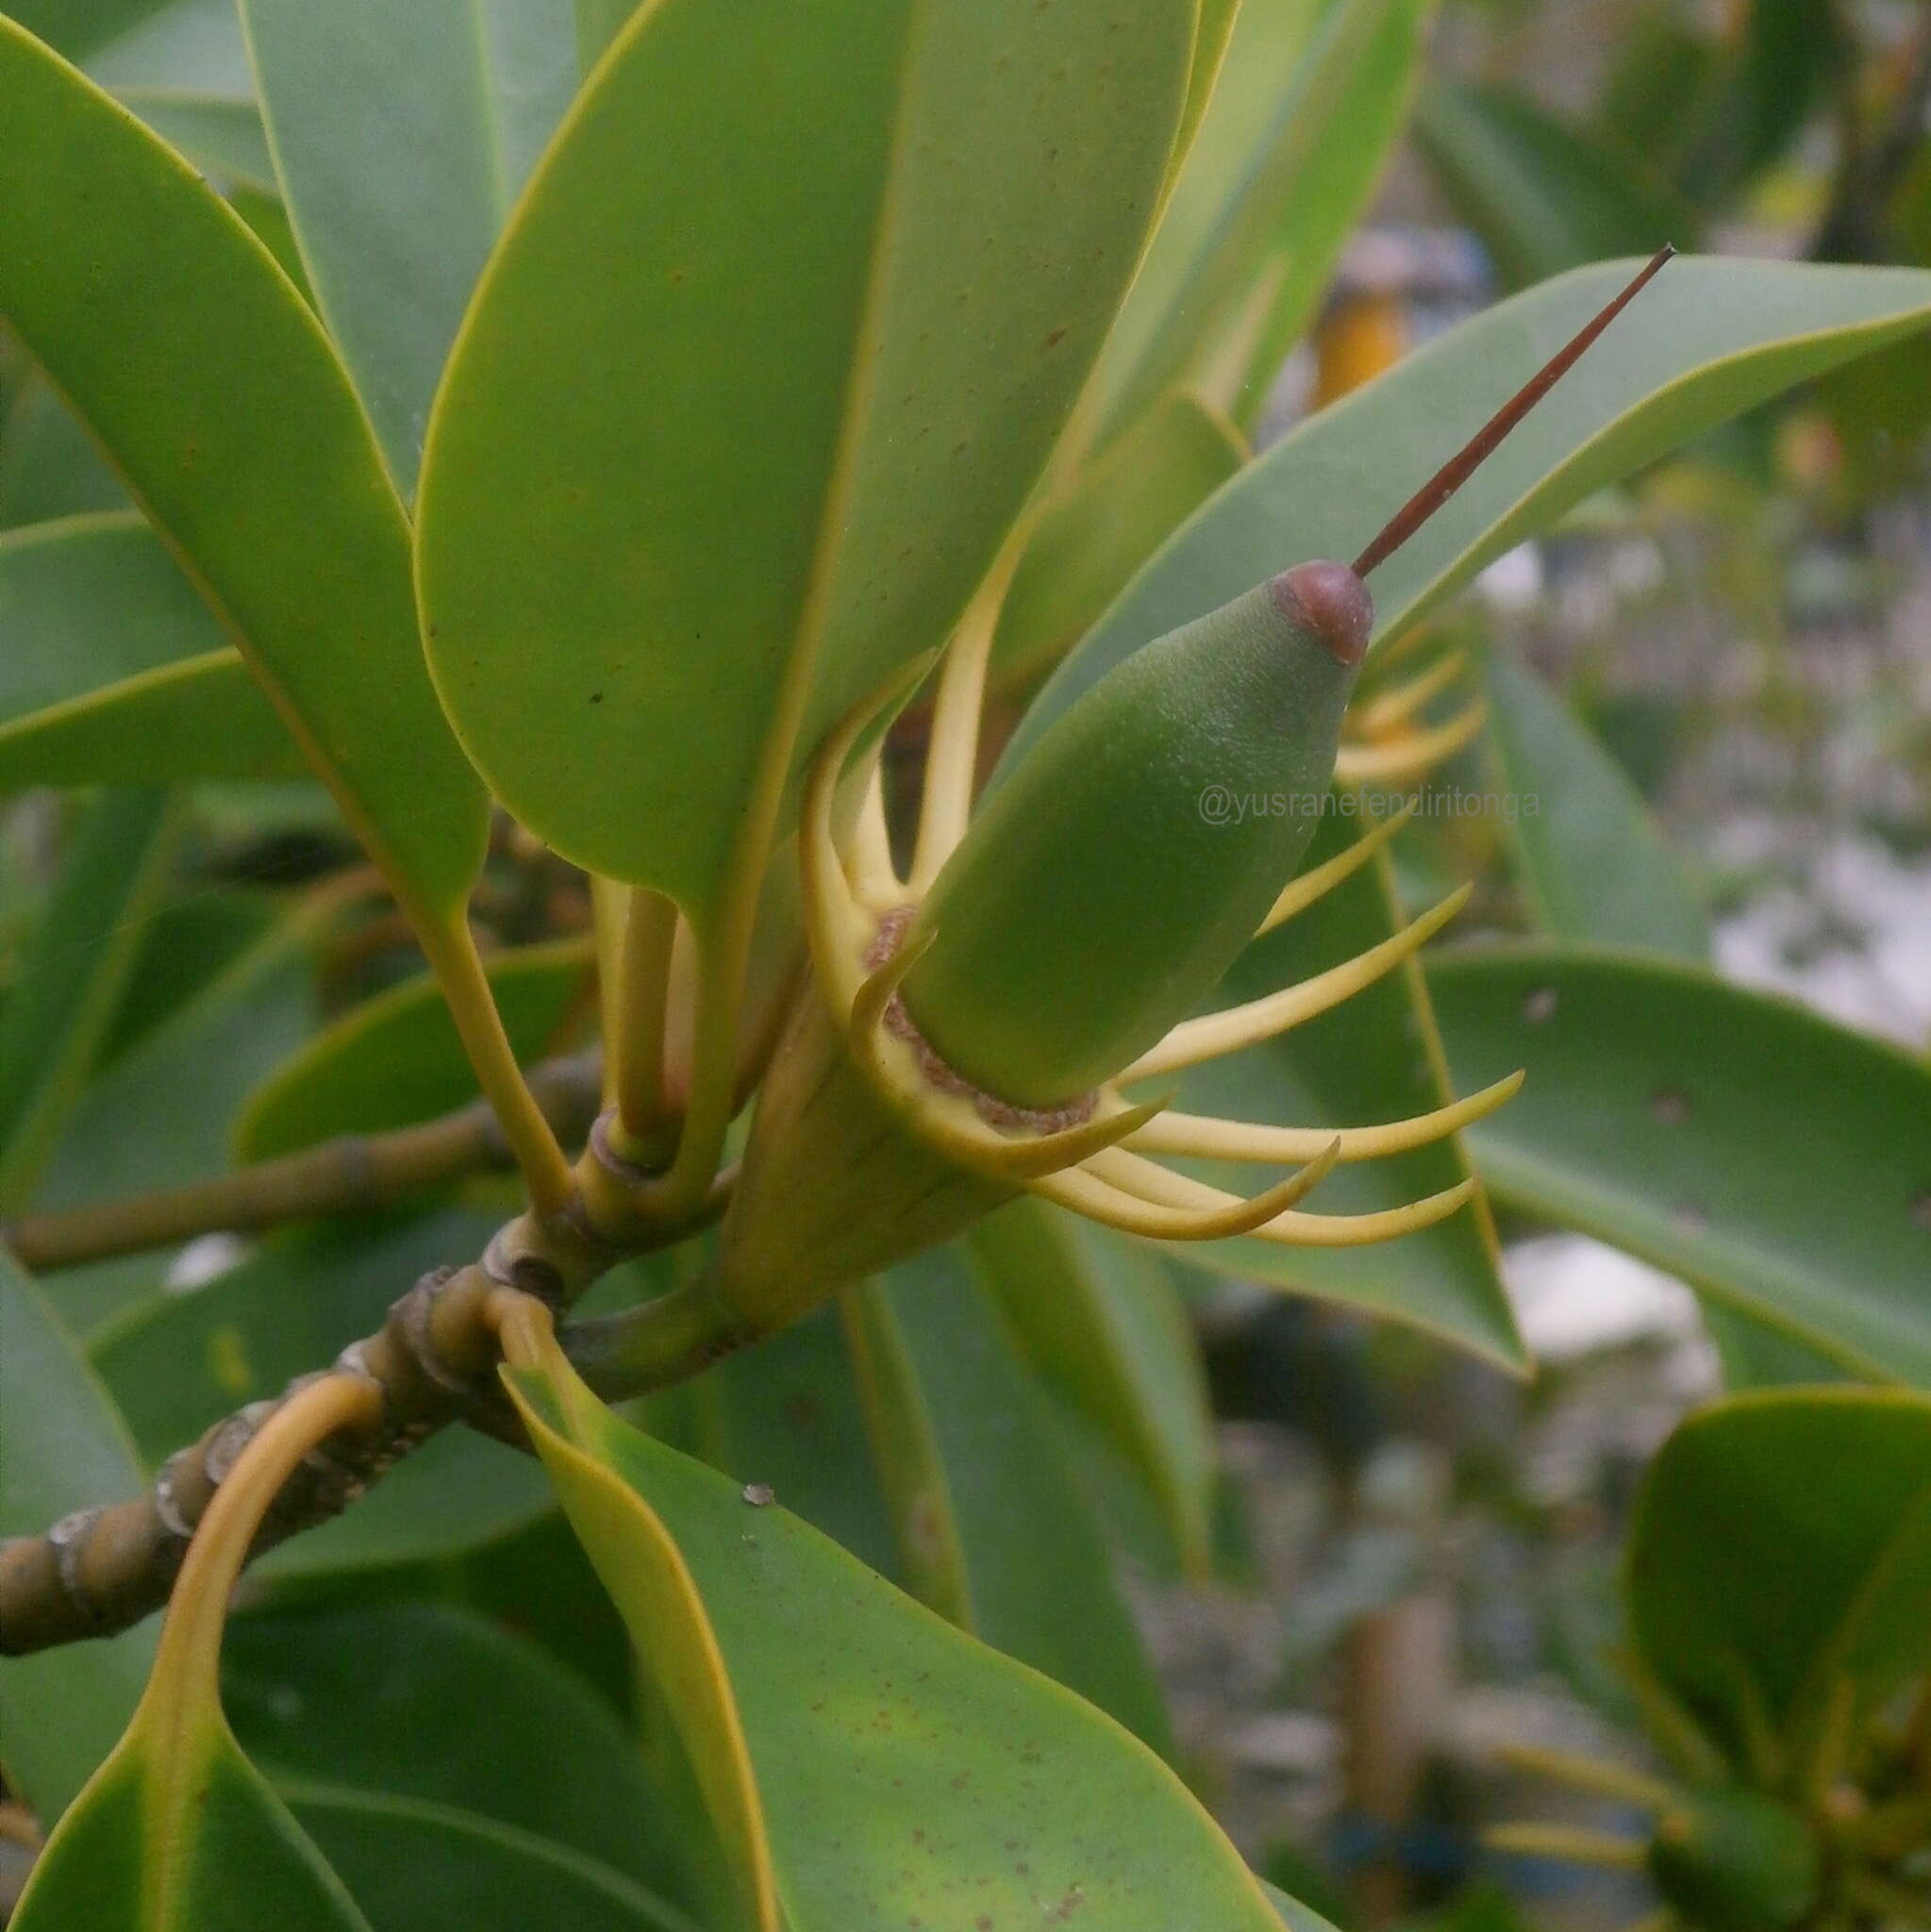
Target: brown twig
(435,1357)
(351,1175)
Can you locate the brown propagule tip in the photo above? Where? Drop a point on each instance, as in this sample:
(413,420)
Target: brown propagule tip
(1477,450)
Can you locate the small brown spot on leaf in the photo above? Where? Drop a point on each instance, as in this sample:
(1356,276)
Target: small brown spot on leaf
(1920,1211)
(1670,1106)
(759,1495)
(1539,1008)
(1055,337)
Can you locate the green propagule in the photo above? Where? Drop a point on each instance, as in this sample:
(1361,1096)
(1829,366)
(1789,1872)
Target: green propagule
(988,1024)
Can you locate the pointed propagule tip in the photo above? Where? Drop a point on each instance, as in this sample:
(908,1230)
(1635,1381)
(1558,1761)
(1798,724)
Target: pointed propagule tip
(1331,603)
(1483,444)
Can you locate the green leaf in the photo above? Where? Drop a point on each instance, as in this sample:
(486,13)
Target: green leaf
(1373,1059)
(397,1058)
(1089,543)
(429,1701)
(788,1413)
(1592,859)
(1781,1547)
(1100,1320)
(995,1531)
(411,1864)
(1299,130)
(220,134)
(179,1833)
(402,135)
(82,28)
(651,580)
(197,366)
(1768,1157)
(111,668)
(63,1447)
(1543,195)
(158,1117)
(899,1767)
(61,1002)
(1709,340)
(1293,1913)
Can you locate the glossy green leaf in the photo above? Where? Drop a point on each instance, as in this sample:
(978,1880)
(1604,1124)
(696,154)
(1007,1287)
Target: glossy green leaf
(410,1864)
(63,1447)
(197,366)
(1781,1547)
(651,580)
(220,133)
(1100,1320)
(1371,1060)
(1768,1157)
(113,669)
(397,1058)
(429,1701)
(1544,196)
(995,1531)
(597,22)
(1592,860)
(62,1001)
(1310,104)
(402,135)
(1118,512)
(219,1852)
(1707,341)
(788,1413)
(900,1767)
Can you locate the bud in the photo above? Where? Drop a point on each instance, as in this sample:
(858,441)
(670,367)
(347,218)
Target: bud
(1735,1860)
(1109,884)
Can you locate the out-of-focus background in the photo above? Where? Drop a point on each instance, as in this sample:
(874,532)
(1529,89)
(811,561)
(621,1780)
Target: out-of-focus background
(1747,630)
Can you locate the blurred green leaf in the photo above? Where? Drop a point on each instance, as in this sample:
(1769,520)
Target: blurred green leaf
(397,1060)
(1781,1549)
(191,357)
(430,1702)
(652,580)
(48,466)
(63,1447)
(1270,191)
(995,1531)
(411,1864)
(1100,1320)
(1089,542)
(402,135)
(113,670)
(62,1002)
(1543,195)
(1592,860)
(220,134)
(1768,1157)
(892,1759)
